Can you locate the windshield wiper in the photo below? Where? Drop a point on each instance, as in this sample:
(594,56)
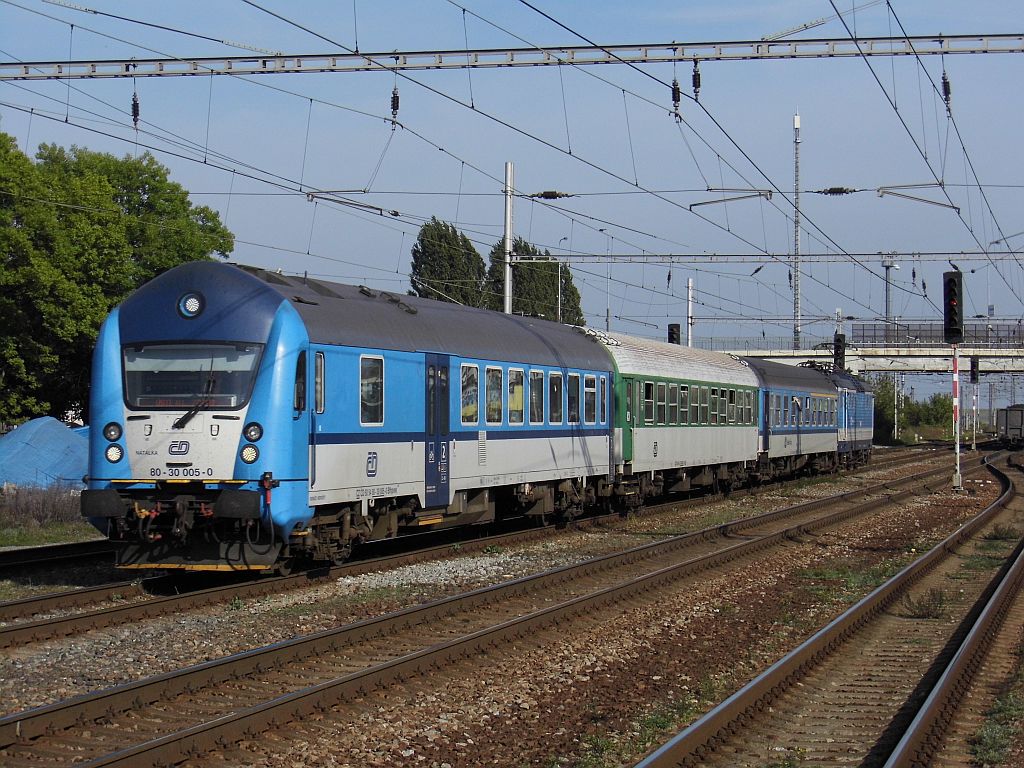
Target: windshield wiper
(204,401)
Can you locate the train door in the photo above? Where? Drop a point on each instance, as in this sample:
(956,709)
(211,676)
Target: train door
(766,419)
(437,435)
(627,410)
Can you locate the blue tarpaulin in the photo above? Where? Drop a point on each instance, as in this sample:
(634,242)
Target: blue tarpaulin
(43,453)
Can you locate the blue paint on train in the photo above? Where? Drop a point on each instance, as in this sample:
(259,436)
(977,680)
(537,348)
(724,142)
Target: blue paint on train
(327,379)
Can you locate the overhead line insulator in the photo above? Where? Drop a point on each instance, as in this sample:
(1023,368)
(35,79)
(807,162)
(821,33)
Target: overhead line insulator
(696,81)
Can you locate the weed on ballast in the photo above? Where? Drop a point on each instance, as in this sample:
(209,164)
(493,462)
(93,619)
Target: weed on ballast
(928,605)
(1002,532)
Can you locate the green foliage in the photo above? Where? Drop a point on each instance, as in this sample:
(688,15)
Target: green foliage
(534,284)
(79,231)
(991,745)
(936,411)
(446,266)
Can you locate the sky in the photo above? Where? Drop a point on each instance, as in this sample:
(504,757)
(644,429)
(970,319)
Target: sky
(253,148)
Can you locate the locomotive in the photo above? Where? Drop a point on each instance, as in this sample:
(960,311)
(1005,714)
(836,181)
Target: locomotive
(252,419)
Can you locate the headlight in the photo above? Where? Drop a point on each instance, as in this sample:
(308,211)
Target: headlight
(253,432)
(114,453)
(112,431)
(249,454)
(191,304)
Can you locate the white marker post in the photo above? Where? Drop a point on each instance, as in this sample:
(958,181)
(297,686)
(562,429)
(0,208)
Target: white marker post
(957,484)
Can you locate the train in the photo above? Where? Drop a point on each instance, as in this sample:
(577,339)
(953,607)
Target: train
(253,420)
(1010,425)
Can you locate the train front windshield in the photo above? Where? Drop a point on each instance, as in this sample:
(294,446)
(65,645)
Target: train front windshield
(203,376)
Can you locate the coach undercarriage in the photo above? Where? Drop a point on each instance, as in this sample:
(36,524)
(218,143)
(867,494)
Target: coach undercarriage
(186,526)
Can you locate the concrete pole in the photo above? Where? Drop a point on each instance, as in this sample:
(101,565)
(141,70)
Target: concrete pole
(689,311)
(957,484)
(508,238)
(796,232)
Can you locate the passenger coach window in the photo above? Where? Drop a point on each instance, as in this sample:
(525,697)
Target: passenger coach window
(648,402)
(299,400)
(318,383)
(536,397)
(684,404)
(590,399)
(604,400)
(732,406)
(704,405)
(494,377)
(714,406)
(555,398)
(661,402)
(673,403)
(371,390)
(515,396)
(573,395)
(470,394)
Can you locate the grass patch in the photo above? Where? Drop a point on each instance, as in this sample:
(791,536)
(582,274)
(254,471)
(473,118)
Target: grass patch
(1003,722)
(981,562)
(1002,532)
(54,533)
(991,746)
(377,594)
(611,751)
(34,516)
(845,581)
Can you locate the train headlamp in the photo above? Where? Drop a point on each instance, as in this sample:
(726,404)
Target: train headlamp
(253,432)
(249,454)
(191,304)
(114,453)
(112,431)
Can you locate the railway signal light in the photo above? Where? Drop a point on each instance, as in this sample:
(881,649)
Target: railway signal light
(975,370)
(952,307)
(839,351)
(673,333)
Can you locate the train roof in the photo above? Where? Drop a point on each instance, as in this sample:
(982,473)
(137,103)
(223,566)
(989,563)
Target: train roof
(847,380)
(636,356)
(335,313)
(779,375)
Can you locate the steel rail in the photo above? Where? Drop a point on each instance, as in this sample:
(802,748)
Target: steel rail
(106,704)
(923,738)
(694,743)
(63,626)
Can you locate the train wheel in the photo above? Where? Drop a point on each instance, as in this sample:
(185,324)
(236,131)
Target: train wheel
(284,567)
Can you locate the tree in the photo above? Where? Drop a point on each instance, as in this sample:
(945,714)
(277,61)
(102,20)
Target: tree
(534,284)
(79,231)
(446,266)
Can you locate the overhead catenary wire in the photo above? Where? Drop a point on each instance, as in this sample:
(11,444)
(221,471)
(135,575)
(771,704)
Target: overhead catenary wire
(710,221)
(914,141)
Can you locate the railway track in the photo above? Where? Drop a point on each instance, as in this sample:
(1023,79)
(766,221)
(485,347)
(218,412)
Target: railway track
(169,717)
(880,684)
(59,614)
(52,555)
